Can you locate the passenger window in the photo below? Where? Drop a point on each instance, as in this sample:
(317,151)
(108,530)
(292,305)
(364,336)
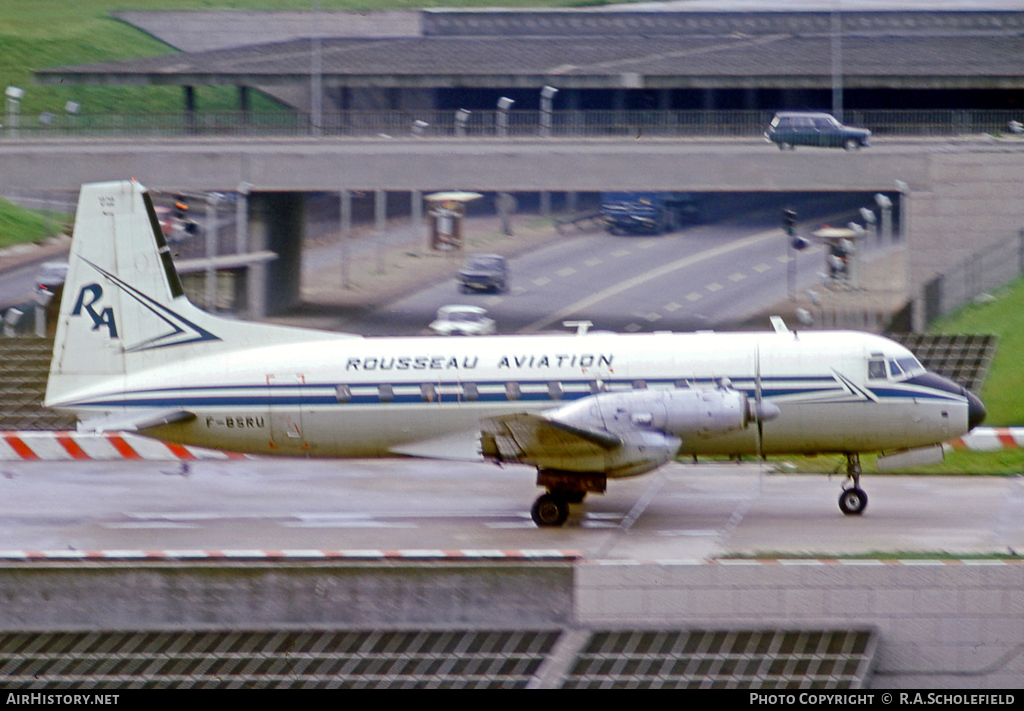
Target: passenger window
(427,392)
(555,391)
(386,393)
(876,369)
(470,391)
(639,384)
(512,391)
(343,393)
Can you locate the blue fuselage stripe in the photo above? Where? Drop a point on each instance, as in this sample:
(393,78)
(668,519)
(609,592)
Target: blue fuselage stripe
(321,394)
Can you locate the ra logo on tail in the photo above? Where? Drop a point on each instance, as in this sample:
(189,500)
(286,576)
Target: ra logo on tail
(93,292)
(178,330)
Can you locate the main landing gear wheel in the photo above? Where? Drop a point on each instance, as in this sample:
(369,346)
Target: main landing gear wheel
(853,501)
(550,510)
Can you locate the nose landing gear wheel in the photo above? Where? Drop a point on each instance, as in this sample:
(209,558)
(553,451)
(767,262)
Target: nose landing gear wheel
(853,501)
(550,510)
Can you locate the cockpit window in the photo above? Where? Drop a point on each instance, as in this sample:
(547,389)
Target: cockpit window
(876,369)
(894,369)
(910,365)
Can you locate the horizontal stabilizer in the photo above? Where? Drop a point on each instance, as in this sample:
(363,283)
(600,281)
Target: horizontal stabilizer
(137,421)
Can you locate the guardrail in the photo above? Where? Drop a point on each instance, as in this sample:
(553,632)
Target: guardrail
(487,124)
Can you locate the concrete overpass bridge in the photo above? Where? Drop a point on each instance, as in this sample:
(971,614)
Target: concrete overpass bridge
(956,195)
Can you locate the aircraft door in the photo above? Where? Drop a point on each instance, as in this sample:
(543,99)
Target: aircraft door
(781,375)
(286,412)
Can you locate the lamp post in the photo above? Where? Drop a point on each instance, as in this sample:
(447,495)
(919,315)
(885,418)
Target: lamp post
(870,219)
(461,119)
(14,96)
(316,74)
(504,104)
(837,61)
(853,254)
(885,204)
(547,97)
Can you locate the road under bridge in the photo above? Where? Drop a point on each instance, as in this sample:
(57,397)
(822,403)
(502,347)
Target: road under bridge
(955,195)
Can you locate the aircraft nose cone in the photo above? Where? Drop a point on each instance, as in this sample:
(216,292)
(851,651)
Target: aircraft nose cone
(975,411)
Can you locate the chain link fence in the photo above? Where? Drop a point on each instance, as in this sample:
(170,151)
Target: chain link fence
(487,124)
(982,272)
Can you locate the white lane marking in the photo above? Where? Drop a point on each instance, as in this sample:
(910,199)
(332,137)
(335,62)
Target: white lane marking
(661,271)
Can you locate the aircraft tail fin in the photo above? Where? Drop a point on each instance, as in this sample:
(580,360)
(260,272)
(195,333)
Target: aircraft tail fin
(123,308)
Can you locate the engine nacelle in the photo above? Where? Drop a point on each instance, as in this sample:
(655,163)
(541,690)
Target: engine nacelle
(685,413)
(618,434)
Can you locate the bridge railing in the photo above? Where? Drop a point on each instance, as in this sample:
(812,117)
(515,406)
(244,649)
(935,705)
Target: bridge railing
(486,124)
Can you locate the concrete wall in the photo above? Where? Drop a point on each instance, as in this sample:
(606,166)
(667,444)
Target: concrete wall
(113,598)
(941,624)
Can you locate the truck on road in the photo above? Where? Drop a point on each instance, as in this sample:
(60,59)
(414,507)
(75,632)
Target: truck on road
(648,213)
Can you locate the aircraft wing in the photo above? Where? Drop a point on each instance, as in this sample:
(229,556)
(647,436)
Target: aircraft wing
(135,421)
(524,436)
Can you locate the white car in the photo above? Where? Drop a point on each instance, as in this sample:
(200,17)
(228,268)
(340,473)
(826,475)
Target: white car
(460,320)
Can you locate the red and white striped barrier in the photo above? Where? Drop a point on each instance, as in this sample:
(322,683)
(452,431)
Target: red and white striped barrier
(63,556)
(184,555)
(990,439)
(67,446)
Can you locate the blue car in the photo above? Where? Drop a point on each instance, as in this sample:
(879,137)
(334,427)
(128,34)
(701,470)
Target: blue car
(790,129)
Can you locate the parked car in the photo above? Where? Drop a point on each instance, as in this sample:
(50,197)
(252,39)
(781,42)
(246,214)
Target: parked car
(484,272)
(462,320)
(790,129)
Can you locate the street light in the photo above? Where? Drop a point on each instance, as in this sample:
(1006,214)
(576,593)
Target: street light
(461,119)
(853,258)
(870,219)
(885,204)
(504,104)
(904,191)
(14,96)
(547,97)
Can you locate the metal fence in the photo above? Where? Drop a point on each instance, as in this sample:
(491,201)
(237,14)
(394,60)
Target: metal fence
(982,272)
(486,124)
